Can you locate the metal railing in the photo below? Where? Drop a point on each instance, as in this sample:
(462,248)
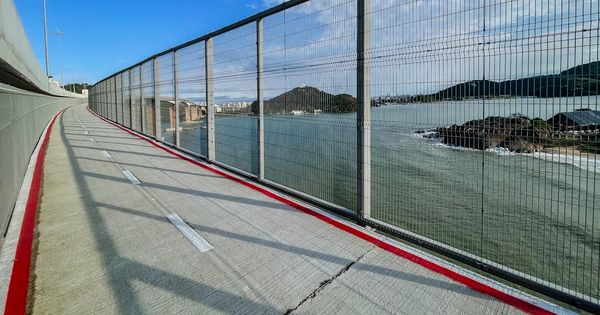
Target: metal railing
(467,127)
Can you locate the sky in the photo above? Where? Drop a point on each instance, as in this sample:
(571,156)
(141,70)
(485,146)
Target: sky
(102,37)
(416,46)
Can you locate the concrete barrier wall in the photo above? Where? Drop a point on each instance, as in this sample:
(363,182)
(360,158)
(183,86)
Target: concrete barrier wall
(23,117)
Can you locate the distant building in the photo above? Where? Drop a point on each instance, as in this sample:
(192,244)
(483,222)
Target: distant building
(584,118)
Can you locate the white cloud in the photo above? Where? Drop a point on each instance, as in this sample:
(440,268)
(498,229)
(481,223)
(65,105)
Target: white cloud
(416,46)
(272,3)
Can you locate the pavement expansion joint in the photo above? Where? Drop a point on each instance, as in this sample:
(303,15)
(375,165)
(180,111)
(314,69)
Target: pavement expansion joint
(325,283)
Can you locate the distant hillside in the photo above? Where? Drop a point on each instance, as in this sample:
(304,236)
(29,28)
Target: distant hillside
(75,87)
(582,80)
(307,99)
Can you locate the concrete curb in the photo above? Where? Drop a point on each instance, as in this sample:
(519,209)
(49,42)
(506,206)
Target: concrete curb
(15,258)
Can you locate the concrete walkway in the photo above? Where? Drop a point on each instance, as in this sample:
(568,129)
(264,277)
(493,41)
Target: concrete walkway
(105,245)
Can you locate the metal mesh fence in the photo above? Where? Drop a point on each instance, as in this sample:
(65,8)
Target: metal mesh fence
(136,99)
(166,88)
(470,126)
(147,89)
(119,98)
(309,54)
(234,82)
(191,89)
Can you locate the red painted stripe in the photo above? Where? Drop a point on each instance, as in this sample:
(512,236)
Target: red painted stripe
(16,297)
(471,283)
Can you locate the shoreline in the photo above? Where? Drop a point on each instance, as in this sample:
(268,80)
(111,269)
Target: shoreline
(564,154)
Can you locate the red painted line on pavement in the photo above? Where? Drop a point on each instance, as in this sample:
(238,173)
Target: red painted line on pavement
(467,281)
(16,297)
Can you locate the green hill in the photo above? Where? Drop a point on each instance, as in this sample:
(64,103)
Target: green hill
(582,80)
(308,99)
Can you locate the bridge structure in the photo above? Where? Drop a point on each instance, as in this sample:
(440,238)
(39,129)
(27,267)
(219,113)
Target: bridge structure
(145,198)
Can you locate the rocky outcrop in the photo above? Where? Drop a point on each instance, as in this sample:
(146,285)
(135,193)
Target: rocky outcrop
(518,134)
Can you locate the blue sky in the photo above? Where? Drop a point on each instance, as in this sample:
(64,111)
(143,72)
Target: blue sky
(102,37)
(438,42)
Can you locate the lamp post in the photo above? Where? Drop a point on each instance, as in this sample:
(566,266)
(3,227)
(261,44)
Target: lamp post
(46,43)
(60,34)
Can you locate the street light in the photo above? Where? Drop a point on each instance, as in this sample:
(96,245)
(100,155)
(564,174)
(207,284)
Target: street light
(60,34)
(46,44)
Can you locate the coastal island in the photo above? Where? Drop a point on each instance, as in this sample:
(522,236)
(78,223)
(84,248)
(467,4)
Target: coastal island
(576,131)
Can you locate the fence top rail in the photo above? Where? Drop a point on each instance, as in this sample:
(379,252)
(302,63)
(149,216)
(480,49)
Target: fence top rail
(253,18)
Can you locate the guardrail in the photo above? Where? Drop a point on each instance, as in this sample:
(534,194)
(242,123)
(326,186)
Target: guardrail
(468,128)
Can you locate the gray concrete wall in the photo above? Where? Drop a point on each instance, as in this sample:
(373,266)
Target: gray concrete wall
(27,103)
(23,117)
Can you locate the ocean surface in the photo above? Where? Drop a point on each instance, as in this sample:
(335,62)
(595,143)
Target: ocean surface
(535,213)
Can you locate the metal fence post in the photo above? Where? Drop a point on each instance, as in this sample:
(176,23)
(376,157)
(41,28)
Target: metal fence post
(100,100)
(108,102)
(116,103)
(210,109)
(363,111)
(142,116)
(176,99)
(108,98)
(260,99)
(104,103)
(130,102)
(157,118)
(122,101)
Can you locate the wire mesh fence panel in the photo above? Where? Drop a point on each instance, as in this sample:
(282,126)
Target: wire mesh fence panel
(93,92)
(309,56)
(111,99)
(467,147)
(98,98)
(104,100)
(147,87)
(422,183)
(126,99)
(166,90)
(540,180)
(191,89)
(118,98)
(105,107)
(234,82)
(136,99)
(96,93)
(109,103)
(108,95)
